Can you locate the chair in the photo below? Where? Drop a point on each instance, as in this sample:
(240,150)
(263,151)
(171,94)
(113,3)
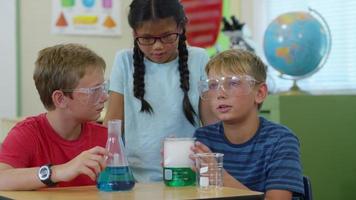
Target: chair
(6,125)
(308,194)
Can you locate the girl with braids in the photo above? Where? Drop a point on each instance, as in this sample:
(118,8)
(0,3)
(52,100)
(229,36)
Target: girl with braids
(153,86)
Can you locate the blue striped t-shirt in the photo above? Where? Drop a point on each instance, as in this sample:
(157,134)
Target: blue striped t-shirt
(269,160)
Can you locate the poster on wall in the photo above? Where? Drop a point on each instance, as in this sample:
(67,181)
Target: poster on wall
(204,19)
(86,17)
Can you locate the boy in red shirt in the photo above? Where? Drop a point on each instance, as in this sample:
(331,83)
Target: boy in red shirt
(61,147)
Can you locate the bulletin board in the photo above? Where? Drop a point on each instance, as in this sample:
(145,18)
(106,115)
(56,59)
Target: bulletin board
(86,17)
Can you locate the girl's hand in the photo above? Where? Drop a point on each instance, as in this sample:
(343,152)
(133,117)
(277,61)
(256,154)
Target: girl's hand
(161,151)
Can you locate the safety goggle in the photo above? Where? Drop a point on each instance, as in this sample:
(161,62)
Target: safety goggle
(92,95)
(238,85)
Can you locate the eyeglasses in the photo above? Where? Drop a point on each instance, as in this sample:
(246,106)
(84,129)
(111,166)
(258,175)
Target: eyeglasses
(232,86)
(93,95)
(165,39)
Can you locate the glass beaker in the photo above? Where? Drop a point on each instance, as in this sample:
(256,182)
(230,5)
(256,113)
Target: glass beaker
(177,169)
(117,176)
(209,168)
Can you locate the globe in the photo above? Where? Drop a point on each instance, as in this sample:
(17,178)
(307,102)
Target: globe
(297,44)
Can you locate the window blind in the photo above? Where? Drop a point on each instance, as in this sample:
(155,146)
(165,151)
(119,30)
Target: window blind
(339,72)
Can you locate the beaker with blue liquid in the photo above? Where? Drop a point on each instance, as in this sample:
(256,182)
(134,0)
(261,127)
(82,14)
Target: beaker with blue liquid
(117,176)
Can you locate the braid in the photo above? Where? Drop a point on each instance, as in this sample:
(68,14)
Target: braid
(139,79)
(184,78)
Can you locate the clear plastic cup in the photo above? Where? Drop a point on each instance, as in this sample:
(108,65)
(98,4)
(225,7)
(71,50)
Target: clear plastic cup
(209,170)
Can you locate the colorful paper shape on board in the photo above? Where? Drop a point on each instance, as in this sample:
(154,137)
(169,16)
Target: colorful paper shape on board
(204,19)
(107,4)
(85,19)
(88,3)
(109,22)
(67,3)
(61,21)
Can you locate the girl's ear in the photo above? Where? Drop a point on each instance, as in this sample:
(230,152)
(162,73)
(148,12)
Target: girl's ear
(262,92)
(59,99)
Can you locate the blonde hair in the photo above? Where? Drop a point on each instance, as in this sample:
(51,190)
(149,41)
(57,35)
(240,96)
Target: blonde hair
(238,61)
(61,67)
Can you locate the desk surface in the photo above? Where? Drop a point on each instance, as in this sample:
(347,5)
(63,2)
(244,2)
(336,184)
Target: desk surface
(140,191)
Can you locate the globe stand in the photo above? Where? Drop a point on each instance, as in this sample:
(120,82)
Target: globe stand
(294,90)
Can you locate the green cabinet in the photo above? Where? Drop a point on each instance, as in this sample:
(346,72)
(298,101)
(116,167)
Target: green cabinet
(326,128)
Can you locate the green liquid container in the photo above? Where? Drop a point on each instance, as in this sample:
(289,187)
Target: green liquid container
(177,170)
(177,177)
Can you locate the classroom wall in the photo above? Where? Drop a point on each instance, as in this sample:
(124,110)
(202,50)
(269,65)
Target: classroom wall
(35,19)
(8,59)
(35,34)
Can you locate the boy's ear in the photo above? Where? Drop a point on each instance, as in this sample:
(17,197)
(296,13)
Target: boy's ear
(59,99)
(262,92)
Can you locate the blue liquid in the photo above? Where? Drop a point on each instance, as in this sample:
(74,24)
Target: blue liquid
(115,179)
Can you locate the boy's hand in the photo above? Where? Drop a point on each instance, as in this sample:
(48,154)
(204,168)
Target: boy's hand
(200,148)
(208,163)
(90,163)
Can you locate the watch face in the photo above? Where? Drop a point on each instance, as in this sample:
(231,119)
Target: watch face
(43,173)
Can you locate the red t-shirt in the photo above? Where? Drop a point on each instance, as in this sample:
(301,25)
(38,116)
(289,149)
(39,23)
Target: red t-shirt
(33,143)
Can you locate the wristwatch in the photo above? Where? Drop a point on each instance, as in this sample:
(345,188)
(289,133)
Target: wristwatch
(44,174)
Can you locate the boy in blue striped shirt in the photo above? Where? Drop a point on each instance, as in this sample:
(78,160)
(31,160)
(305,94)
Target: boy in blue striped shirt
(258,154)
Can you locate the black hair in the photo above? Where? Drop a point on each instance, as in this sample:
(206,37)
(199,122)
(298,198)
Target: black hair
(146,10)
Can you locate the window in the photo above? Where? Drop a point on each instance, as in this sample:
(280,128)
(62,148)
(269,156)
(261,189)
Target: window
(339,72)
